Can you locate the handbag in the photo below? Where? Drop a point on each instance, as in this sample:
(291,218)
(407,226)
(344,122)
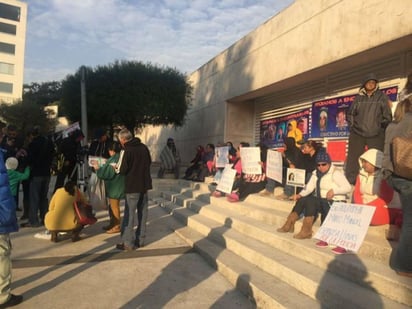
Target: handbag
(84,212)
(401,155)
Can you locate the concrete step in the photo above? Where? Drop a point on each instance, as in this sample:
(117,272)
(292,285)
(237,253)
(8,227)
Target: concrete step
(238,227)
(265,290)
(351,267)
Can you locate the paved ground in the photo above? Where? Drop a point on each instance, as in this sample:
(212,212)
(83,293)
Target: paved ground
(91,273)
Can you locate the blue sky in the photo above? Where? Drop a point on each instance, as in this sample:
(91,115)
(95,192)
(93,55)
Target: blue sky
(62,35)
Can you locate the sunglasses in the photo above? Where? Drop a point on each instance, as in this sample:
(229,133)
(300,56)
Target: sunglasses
(322,164)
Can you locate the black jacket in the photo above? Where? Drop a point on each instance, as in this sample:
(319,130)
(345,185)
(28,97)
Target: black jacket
(40,156)
(369,116)
(135,165)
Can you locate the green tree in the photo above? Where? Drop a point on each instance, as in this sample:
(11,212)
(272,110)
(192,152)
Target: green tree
(129,93)
(43,93)
(25,115)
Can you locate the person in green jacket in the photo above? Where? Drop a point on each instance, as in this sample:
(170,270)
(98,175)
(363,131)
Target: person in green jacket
(114,184)
(15,177)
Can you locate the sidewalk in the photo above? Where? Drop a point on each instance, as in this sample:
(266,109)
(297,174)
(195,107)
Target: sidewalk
(91,273)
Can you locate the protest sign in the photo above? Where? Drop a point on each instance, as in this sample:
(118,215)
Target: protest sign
(346,225)
(222,156)
(226,182)
(250,157)
(295,177)
(274,165)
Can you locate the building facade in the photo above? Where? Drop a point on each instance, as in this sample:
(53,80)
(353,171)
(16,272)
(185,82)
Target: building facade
(312,52)
(13,19)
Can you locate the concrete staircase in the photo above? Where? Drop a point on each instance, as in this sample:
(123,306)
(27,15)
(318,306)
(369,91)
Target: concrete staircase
(274,269)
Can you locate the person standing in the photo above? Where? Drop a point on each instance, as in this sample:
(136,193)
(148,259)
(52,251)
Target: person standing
(368,117)
(134,163)
(114,184)
(8,224)
(401,258)
(40,157)
(170,159)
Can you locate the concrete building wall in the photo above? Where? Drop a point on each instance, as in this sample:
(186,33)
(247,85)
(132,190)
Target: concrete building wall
(308,41)
(19,40)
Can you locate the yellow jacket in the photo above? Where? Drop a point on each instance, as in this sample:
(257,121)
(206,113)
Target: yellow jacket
(61,215)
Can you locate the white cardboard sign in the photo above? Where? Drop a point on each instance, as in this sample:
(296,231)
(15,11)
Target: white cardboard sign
(226,182)
(274,165)
(346,225)
(250,157)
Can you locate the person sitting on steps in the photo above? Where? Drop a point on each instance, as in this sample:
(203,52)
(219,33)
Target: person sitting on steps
(325,186)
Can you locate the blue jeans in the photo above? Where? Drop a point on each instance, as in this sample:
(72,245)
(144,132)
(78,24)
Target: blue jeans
(136,207)
(39,188)
(271,185)
(401,259)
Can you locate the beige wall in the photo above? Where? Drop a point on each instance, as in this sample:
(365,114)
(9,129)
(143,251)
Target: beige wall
(306,41)
(18,59)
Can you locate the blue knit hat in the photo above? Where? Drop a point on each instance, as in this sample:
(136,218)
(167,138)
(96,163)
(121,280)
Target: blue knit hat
(323,157)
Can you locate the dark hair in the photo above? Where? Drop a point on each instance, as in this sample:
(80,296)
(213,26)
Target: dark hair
(70,187)
(114,146)
(313,144)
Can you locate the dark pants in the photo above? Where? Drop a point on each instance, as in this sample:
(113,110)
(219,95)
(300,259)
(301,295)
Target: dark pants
(246,188)
(356,147)
(401,258)
(39,188)
(311,206)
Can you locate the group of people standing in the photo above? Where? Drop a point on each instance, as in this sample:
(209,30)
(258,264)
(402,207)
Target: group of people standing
(126,175)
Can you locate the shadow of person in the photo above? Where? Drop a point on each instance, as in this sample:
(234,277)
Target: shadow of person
(330,296)
(185,273)
(242,284)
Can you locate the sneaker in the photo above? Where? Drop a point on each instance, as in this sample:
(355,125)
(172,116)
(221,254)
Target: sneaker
(233,198)
(14,300)
(265,193)
(322,244)
(115,229)
(339,250)
(217,194)
(123,247)
(282,197)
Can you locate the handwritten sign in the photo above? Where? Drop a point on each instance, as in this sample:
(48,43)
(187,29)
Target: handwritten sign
(274,165)
(295,177)
(226,182)
(222,156)
(250,160)
(346,225)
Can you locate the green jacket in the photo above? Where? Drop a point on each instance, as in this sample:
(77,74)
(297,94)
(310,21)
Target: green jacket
(16,177)
(114,183)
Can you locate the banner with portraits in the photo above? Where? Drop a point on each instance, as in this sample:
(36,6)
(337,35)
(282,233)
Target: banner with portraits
(329,117)
(326,118)
(273,131)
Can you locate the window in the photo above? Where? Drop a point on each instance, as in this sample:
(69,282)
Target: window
(7,48)
(6,68)
(8,11)
(7,28)
(6,87)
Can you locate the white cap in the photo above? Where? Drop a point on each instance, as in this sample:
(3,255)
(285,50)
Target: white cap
(12,163)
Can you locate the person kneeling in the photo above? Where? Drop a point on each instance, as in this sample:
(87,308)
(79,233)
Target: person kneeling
(61,216)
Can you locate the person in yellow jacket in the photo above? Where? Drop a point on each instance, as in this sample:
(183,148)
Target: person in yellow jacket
(61,215)
(295,132)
